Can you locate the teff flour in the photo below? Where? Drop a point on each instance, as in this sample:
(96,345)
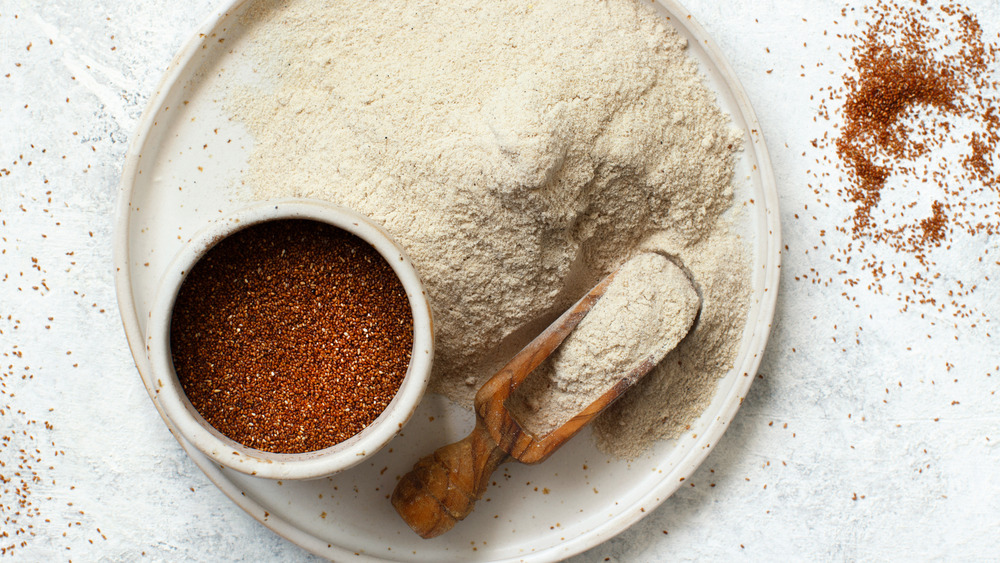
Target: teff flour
(646,310)
(518,150)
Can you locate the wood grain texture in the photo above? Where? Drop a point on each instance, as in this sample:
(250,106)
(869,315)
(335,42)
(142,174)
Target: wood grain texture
(444,486)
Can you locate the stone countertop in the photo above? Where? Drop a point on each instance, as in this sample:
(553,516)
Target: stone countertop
(870,434)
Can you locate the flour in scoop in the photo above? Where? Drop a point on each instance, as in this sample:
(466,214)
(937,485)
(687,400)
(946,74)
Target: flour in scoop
(519,151)
(644,313)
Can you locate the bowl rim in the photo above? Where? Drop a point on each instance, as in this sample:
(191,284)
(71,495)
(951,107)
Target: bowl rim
(170,397)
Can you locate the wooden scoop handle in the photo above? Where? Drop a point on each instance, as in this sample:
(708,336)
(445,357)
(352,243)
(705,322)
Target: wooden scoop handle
(443,487)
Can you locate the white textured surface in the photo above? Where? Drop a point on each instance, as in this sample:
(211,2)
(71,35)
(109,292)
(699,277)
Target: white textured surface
(874,418)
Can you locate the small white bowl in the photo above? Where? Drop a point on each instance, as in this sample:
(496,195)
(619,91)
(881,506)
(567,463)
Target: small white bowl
(169,395)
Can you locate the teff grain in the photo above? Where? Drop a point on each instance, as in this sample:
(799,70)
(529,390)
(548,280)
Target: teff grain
(291,336)
(921,87)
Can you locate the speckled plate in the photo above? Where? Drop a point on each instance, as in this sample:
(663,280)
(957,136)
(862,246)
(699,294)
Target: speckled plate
(183,171)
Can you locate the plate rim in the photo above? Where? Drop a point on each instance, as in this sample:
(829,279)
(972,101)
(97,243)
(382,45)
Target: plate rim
(643,506)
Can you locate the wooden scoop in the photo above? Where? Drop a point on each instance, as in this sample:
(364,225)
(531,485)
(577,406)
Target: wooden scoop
(443,487)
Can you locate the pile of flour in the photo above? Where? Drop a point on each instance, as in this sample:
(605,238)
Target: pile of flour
(518,150)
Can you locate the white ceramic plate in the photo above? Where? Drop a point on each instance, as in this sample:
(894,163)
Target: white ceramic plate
(183,170)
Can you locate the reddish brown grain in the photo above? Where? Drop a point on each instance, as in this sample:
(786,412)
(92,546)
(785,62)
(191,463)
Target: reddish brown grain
(921,86)
(291,336)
